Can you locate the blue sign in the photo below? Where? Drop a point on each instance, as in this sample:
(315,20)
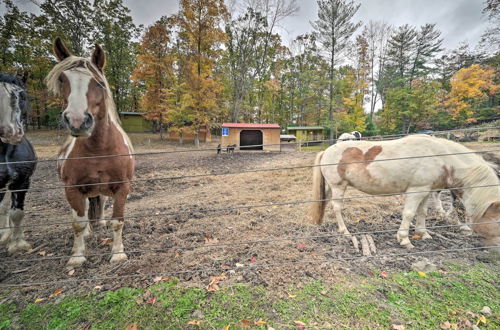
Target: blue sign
(225,131)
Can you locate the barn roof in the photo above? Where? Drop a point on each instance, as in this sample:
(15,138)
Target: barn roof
(246,125)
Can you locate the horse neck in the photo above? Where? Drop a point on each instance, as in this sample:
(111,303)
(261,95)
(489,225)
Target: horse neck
(477,200)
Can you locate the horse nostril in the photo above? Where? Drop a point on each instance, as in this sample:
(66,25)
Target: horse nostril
(88,120)
(65,118)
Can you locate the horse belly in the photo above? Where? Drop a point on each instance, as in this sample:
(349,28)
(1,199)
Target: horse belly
(373,181)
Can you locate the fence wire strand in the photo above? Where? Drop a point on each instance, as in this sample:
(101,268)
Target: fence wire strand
(248,207)
(230,244)
(245,267)
(381,137)
(40,189)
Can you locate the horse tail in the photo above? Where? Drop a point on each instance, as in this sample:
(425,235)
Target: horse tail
(317,209)
(95,208)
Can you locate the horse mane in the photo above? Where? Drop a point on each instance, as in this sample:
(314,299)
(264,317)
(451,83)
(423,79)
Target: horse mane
(479,199)
(85,64)
(7,78)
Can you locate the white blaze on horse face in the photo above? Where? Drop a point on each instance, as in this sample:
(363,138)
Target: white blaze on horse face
(77,100)
(7,127)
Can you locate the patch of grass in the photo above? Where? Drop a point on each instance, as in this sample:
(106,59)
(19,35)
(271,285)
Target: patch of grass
(359,302)
(316,148)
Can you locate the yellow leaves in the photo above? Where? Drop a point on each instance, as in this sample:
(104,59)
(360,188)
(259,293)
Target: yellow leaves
(422,274)
(56,293)
(481,320)
(39,300)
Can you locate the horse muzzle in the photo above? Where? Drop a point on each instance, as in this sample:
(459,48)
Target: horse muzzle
(11,136)
(78,126)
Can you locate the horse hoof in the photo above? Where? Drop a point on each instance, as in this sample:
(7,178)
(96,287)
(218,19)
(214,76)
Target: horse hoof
(18,246)
(426,236)
(118,257)
(75,262)
(406,243)
(466,231)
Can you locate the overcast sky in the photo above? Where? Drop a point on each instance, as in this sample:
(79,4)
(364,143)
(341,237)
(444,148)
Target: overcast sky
(458,20)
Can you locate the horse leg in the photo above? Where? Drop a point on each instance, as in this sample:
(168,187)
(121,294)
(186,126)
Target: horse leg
(438,205)
(117,224)
(421,216)
(79,205)
(338,192)
(412,202)
(102,203)
(4,218)
(17,242)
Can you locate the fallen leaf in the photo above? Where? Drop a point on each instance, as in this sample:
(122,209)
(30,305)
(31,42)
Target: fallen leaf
(151,301)
(292,295)
(481,320)
(194,323)
(50,255)
(239,265)
(384,274)
(270,328)
(253,259)
(214,282)
(225,267)
(275,207)
(226,327)
(132,326)
(98,288)
(106,241)
(56,293)
(445,325)
(416,236)
(300,325)
(71,272)
(302,246)
(398,327)
(245,323)
(260,322)
(422,274)
(160,279)
(39,300)
(42,253)
(209,239)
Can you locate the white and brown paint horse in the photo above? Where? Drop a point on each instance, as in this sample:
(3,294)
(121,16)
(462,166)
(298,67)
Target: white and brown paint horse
(360,167)
(93,124)
(354,135)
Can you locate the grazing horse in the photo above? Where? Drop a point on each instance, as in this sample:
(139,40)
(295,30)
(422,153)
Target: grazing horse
(358,164)
(91,120)
(17,162)
(230,149)
(354,135)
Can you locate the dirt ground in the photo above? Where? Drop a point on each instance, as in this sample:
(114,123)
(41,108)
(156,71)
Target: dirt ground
(191,223)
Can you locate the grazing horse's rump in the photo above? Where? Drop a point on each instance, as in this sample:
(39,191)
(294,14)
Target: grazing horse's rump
(17,162)
(358,164)
(92,122)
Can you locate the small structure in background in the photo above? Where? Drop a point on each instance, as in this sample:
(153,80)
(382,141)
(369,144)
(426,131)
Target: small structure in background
(307,133)
(288,142)
(188,135)
(251,136)
(134,122)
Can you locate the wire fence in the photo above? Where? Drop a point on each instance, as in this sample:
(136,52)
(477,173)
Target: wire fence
(157,214)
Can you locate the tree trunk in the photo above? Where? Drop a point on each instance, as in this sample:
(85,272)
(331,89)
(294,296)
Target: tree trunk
(196,139)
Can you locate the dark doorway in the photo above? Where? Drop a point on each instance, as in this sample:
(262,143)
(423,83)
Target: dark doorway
(249,140)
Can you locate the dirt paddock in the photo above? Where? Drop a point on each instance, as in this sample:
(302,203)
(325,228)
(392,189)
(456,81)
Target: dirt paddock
(186,233)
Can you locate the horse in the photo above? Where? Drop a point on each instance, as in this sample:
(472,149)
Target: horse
(230,149)
(361,165)
(354,135)
(17,162)
(95,132)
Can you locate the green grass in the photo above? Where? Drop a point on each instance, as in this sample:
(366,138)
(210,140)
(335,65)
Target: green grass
(355,302)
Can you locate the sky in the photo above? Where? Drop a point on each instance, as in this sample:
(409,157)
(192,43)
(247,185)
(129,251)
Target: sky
(458,20)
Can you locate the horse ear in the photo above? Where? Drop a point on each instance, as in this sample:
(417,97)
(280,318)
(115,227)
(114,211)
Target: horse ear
(60,49)
(99,57)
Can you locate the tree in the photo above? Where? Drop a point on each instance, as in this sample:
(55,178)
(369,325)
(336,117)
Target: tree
(154,70)
(200,35)
(470,87)
(334,29)
(114,31)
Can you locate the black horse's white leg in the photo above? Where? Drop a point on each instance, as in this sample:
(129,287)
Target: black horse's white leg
(17,242)
(5,225)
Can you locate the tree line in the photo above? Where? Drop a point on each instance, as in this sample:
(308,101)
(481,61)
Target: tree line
(211,62)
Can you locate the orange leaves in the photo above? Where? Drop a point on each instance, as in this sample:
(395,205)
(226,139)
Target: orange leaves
(56,293)
(214,282)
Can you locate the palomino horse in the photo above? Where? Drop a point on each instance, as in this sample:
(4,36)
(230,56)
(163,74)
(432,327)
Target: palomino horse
(359,164)
(17,162)
(92,121)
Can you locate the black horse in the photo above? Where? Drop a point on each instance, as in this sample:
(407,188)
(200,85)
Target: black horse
(17,161)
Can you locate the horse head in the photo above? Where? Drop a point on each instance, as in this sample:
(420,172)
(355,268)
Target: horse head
(82,84)
(13,108)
